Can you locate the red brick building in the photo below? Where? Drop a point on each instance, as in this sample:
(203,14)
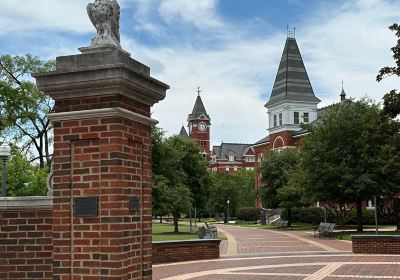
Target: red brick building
(199,123)
(231,157)
(292,102)
(226,158)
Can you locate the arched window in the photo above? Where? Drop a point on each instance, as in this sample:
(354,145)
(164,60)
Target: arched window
(278,143)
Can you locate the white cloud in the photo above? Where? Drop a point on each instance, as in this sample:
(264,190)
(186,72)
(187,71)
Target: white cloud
(54,15)
(350,43)
(200,13)
(226,77)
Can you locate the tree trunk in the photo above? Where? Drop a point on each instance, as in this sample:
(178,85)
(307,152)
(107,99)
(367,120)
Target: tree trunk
(289,217)
(359,214)
(160,218)
(176,217)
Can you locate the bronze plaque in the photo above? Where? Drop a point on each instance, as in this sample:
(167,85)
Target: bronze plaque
(86,206)
(134,204)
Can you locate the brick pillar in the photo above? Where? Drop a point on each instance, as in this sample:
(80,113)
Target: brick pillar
(102,164)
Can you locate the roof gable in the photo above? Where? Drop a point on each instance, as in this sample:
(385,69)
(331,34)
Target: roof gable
(249,151)
(183,133)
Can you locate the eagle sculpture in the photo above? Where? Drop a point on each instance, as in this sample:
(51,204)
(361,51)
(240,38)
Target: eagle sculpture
(104,14)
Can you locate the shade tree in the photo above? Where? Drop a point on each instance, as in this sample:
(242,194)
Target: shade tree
(345,157)
(23,108)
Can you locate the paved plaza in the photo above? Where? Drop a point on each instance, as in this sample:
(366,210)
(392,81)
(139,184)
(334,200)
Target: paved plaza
(252,254)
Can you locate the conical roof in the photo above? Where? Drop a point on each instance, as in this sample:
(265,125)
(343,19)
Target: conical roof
(183,132)
(292,82)
(198,110)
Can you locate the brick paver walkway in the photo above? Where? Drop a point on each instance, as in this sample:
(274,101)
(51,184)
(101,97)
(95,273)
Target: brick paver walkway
(261,241)
(262,254)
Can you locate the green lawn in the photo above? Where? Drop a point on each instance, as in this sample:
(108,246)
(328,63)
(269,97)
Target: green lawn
(347,234)
(165,232)
(208,220)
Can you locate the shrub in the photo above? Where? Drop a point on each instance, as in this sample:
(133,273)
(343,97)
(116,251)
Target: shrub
(368,217)
(249,214)
(308,215)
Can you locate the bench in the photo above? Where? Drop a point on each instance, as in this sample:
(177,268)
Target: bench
(324,229)
(282,224)
(207,232)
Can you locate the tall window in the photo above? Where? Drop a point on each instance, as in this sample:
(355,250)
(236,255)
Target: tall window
(280,119)
(275,121)
(296,118)
(306,117)
(227,169)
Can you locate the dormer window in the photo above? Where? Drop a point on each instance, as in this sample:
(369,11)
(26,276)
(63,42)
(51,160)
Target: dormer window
(250,159)
(231,158)
(306,117)
(280,119)
(296,118)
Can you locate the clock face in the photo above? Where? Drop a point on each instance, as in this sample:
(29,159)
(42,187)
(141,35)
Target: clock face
(202,126)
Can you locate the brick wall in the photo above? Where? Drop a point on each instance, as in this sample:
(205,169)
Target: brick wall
(109,158)
(26,242)
(174,251)
(376,244)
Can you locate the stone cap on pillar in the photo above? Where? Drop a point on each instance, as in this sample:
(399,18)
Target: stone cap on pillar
(101,71)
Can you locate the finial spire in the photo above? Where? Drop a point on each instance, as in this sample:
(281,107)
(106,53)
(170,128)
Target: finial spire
(342,94)
(198,90)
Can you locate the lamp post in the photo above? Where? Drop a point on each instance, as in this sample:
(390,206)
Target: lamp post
(376,216)
(4,155)
(228,210)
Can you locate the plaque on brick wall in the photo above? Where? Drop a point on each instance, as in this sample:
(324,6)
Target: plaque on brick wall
(134,204)
(86,206)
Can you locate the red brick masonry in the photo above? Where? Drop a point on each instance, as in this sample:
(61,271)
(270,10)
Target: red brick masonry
(185,250)
(26,244)
(376,244)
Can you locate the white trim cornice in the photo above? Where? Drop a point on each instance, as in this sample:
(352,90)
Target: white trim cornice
(101,113)
(26,203)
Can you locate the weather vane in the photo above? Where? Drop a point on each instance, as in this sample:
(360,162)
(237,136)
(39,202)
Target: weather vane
(290,33)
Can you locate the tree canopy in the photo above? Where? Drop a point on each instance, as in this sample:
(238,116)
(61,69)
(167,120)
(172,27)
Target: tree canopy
(275,173)
(347,157)
(23,107)
(180,175)
(238,188)
(24,178)
(391,100)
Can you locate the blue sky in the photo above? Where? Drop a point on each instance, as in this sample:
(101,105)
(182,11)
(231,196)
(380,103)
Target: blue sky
(231,48)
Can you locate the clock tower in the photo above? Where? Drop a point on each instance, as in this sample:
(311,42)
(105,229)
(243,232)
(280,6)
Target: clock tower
(199,123)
